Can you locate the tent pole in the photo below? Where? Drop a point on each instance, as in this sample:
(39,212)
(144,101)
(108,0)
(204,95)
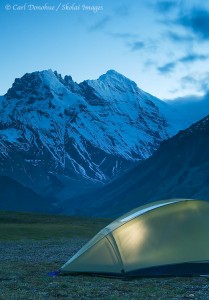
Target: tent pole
(117,252)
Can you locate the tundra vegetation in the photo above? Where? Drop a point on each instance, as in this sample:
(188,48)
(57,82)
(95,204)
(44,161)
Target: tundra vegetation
(32,245)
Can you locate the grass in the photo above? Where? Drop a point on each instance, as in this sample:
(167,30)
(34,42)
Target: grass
(31,245)
(14,226)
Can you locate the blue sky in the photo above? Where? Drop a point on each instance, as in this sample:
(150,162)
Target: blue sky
(163,45)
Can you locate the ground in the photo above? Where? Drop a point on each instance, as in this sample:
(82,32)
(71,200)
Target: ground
(32,245)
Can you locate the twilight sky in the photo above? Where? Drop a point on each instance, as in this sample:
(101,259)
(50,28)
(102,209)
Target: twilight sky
(163,45)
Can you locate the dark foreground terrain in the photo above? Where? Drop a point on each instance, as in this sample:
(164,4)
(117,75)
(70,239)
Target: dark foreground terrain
(33,245)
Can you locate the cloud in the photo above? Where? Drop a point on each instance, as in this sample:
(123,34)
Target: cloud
(204,85)
(178,38)
(187,59)
(101,24)
(149,63)
(124,35)
(119,12)
(136,46)
(199,81)
(165,6)
(197,21)
(191,107)
(193,58)
(123,10)
(188,81)
(131,40)
(167,68)
(193,19)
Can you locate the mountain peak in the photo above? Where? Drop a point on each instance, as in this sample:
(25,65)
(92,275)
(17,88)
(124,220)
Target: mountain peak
(35,84)
(116,80)
(112,74)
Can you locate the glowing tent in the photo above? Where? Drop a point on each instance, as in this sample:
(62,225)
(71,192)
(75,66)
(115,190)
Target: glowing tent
(162,238)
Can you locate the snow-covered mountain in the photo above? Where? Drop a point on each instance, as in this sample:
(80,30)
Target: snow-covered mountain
(60,137)
(178,169)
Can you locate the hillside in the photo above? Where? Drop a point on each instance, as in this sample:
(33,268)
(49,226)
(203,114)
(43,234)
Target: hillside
(16,197)
(179,168)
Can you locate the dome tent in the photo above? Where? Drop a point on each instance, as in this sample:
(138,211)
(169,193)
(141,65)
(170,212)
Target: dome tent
(161,238)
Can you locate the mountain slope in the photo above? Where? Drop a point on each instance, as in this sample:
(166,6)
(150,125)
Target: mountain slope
(16,197)
(179,168)
(57,135)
